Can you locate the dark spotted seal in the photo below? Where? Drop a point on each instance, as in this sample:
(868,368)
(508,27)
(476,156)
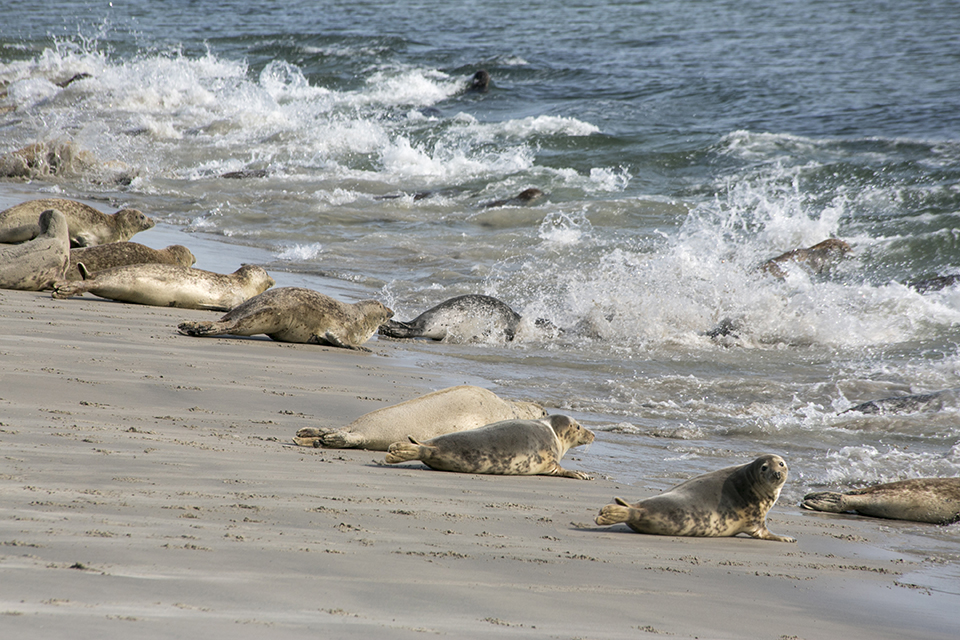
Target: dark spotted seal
(721,503)
(88,226)
(509,447)
(935,500)
(118,254)
(294,314)
(468,318)
(38,263)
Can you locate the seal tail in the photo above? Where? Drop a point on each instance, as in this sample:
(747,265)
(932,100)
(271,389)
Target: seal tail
(404,451)
(824,501)
(398,329)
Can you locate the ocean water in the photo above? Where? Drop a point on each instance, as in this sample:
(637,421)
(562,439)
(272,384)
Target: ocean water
(679,145)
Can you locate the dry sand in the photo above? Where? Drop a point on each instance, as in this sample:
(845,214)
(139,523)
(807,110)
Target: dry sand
(148,489)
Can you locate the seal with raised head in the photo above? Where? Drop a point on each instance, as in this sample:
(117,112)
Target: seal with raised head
(169,285)
(467,318)
(88,226)
(445,411)
(118,254)
(717,504)
(295,314)
(817,259)
(935,500)
(37,264)
(508,447)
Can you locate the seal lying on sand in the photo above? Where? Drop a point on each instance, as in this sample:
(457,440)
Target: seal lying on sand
(467,318)
(88,226)
(118,254)
(293,314)
(934,401)
(818,258)
(721,503)
(37,264)
(435,414)
(509,447)
(935,500)
(169,285)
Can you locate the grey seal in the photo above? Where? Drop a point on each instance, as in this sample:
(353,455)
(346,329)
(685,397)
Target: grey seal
(935,500)
(466,318)
(88,226)
(525,197)
(933,401)
(38,263)
(509,447)
(169,285)
(118,254)
(295,314)
(818,259)
(445,411)
(721,503)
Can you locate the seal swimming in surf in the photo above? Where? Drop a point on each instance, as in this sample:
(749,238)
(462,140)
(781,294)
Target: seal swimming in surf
(933,401)
(818,258)
(467,318)
(934,500)
(87,225)
(717,504)
(38,263)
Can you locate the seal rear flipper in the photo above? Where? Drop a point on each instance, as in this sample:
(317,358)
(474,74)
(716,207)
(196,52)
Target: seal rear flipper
(192,328)
(398,329)
(615,513)
(340,439)
(309,437)
(404,451)
(824,501)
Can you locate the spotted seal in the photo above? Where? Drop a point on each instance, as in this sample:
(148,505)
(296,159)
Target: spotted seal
(118,254)
(38,263)
(88,226)
(467,318)
(935,500)
(508,447)
(445,411)
(169,285)
(721,503)
(933,401)
(818,258)
(295,314)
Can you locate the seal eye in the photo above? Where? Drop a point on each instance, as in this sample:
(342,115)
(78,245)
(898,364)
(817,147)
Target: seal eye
(763,468)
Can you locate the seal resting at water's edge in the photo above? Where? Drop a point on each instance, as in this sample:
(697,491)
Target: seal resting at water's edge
(445,411)
(88,226)
(169,285)
(509,448)
(37,264)
(466,318)
(118,254)
(294,314)
(818,258)
(717,504)
(934,500)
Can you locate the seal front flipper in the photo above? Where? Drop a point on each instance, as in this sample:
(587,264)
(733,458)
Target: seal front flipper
(560,472)
(329,339)
(765,534)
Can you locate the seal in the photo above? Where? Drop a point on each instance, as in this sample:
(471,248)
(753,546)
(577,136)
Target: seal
(294,314)
(37,264)
(818,258)
(933,401)
(717,504)
(935,283)
(118,254)
(934,500)
(525,197)
(480,82)
(468,318)
(445,411)
(169,285)
(88,226)
(508,447)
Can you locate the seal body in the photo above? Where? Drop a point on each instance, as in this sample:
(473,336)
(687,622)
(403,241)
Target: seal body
(88,226)
(468,318)
(38,263)
(445,411)
(169,285)
(933,401)
(118,254)
(294,314)
(525,197)
(509,447)
(817,259)
(721,503)
(935,500)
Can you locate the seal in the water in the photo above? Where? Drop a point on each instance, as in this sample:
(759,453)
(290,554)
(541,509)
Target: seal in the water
(935,500)
(294,314)
(88,226)
(37,264)
(818,258)
(170,285)
(480,82)
(471,317)
(934,401)
(936,283)
(435,414)
(525,197)
(118,254)
(721,503)
(509,447)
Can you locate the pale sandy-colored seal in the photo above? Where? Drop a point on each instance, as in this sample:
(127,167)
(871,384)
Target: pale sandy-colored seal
(445,411)
(170,285)
(935,500)
(118,254)
(933,401)
(37,264)
(294,314)
(88,226)
(467,318)
(721,503)
(509,447)
(817,259)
